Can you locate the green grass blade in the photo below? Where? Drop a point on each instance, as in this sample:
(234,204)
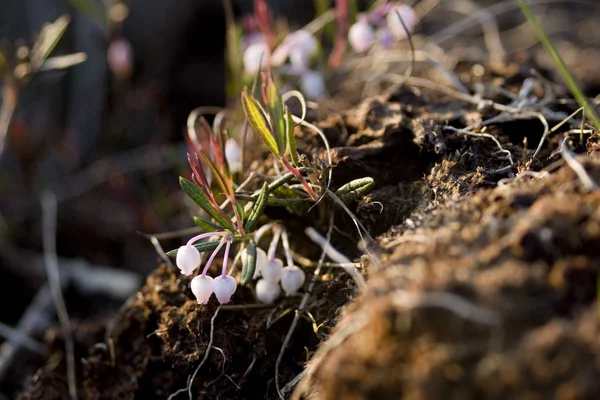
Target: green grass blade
(560,65)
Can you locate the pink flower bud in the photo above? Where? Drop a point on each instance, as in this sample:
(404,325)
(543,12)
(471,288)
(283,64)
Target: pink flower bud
(224,286)
(119,57)
(408,16)
(267,292)
(202,287)
(271,271)
(312,85)
(361,35)
(188,259)
(292,279)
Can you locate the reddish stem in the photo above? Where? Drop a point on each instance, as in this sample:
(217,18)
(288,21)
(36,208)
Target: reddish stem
(313,195)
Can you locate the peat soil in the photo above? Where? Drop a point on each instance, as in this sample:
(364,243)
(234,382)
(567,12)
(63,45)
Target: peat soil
(482,281)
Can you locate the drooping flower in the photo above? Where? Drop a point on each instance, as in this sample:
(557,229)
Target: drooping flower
(188,259)
(267,291)
(224,287)
(361,35)
(271,271)
(407,14)
(292,279)
(202,287)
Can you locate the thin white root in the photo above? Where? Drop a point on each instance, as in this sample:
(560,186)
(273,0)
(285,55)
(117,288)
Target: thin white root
(336,256)
(209,346)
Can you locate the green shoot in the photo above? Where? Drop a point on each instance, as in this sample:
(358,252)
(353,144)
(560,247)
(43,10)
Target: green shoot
(560,65)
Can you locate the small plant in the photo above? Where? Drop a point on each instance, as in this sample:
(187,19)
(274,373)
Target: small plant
(212,158)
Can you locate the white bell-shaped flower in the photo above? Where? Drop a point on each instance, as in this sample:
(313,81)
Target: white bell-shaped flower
(188,259)
(312,84)
(271,271)
(361,35)
(408,16)
(255,55)
(292,279)
(233,154)
(202,287)
(267,292)
(224,288)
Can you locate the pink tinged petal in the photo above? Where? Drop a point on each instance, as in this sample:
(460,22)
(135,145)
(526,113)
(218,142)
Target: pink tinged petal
(202,287)
(312,85)
(361,36)
(292,279)
(408,16)
(224,288)
(267,292)
(188,259)
(271,271)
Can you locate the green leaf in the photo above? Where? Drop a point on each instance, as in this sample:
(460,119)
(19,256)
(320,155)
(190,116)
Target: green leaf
(258,122)
(291,139)
(205,225)
(355,189)
(200,198)
(278,120)
(248,263)
(202,247)
(258,209)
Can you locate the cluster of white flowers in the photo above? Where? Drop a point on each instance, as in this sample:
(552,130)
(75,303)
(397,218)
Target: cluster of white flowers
(203,286)
(272,273)
(382,26)
(299,48)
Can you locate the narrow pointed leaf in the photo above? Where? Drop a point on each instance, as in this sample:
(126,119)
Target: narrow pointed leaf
(258,209)
(355,189)
(258,122)
(202,247)
(202,200)
(205,225)
(291,139)
(248,263)
(275,106)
